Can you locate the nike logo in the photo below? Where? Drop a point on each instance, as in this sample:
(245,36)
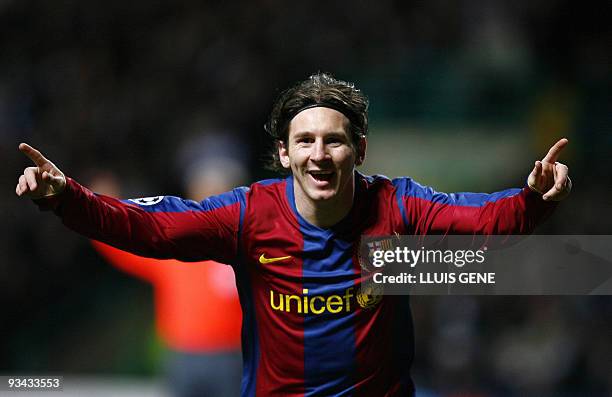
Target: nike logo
(264,260)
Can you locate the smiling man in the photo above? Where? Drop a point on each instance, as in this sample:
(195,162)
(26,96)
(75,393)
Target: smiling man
(293,242)
(322,156)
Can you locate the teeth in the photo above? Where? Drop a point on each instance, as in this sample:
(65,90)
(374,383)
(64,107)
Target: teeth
(320,172)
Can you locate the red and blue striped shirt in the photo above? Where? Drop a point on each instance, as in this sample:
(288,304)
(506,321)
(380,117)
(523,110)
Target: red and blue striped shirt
(305,330)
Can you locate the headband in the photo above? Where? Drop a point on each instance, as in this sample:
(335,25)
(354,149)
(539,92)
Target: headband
(329,105)
(353,118)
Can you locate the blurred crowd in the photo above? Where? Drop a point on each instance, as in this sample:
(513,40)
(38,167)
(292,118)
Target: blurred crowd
(128,87)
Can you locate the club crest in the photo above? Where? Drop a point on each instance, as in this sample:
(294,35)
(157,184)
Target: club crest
(367,249)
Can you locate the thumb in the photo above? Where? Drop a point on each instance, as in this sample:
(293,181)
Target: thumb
(533,177)
(537,170)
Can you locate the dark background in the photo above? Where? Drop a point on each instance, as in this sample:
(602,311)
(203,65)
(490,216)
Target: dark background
(121,85)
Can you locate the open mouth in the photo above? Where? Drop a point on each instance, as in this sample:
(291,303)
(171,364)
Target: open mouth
(321,176)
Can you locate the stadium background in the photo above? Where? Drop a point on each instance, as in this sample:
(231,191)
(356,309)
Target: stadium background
(464,96)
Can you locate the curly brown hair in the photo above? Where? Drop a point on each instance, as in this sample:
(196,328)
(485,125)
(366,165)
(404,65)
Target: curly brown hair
(320,89)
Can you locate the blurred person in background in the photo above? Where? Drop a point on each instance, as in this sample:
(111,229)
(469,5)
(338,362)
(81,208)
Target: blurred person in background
(530,357)
(197,311)
(293,238)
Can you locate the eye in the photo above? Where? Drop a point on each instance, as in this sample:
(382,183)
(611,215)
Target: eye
(304,140)
(334,141)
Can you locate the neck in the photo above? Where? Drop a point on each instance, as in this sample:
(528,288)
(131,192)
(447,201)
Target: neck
(325,213)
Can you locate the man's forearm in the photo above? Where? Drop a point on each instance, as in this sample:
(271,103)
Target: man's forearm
(109,220)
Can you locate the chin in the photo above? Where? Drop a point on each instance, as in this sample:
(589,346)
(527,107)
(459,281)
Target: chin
(322,195)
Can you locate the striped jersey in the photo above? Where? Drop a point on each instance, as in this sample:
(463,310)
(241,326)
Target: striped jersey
(306,330)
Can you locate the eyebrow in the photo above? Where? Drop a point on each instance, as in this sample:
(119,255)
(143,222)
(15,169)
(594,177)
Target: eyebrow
(335,134)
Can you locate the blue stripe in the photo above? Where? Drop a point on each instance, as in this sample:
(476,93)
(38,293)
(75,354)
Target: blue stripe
(400,187)
(406,187)
(177,204)
(268,182)
(329,338)
(250,337)
(241,197)
(223,200)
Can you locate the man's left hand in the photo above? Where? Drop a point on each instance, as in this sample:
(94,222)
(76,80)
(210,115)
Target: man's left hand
(549,177)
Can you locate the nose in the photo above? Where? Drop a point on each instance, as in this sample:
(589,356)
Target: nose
(319,151)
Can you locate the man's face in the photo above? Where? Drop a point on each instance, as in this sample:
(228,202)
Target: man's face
(321,157)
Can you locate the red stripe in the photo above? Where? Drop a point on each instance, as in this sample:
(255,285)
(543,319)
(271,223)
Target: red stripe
(505,216)
(161,235)
(376,369)
(280,370)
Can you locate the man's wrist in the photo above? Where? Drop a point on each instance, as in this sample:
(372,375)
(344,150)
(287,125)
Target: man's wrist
(534,189)
(50,203)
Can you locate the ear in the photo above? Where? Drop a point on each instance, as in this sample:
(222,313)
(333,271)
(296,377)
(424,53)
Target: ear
(283,154)
(361,150)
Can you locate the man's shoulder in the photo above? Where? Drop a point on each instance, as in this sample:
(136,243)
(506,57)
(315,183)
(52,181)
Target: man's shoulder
(372,180)
(268,186)
(267,189)
(403,186)
(377,181)
(268,183)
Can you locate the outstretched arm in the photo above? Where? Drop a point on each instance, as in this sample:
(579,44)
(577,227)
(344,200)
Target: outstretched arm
(167,227)
(512,211)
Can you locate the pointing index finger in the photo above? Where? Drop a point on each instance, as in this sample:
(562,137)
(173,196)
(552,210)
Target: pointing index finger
(34,155)
(554,151)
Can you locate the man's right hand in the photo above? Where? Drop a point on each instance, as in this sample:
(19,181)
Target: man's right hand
(44,180)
